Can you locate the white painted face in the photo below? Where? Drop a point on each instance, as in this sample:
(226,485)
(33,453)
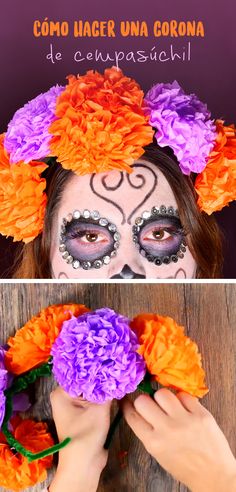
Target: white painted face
(121,199)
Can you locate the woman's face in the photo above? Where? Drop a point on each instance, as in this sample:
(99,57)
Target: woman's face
(114,225)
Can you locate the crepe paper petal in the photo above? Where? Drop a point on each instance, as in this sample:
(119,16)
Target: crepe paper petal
(4,379)
(19,384)
(22,197)
(31,345)
(100,124)
(21,403)
(171,357)
(216,185)
(16,473)
(27,136)
(95,356)
(183,123)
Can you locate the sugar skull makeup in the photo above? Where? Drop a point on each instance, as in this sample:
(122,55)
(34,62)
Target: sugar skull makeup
(88,240)
(86,247)
(159,235)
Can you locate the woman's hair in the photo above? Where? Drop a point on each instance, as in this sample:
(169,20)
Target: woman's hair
(204,236)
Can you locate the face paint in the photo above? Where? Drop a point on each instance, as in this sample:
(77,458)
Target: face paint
(120,198)
(88,240)
(127,273)
(159,235)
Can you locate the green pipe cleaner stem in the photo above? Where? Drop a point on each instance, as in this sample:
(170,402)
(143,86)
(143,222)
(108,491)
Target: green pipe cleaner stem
(144,386)
(19,384)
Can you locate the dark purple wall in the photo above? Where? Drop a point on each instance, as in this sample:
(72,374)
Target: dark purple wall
(25,72)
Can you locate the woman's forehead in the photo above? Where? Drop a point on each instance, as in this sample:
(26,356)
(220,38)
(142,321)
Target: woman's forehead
(119,194)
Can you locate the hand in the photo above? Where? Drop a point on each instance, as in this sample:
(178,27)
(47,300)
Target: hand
(185,439)
(83,459)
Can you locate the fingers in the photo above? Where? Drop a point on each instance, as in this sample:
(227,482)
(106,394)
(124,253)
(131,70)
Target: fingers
(149,409)
(138,424)
(191,403)
(169,403)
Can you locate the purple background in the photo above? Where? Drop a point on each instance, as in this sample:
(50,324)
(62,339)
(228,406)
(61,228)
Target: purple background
(25,72)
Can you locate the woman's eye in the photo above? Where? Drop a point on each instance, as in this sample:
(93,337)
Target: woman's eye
(92,237)
(157,235)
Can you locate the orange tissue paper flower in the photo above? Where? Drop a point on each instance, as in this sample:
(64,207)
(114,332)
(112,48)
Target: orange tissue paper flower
(100,123)
(216,185)
(22,197)
(171,357)
(31,345)
(16,473)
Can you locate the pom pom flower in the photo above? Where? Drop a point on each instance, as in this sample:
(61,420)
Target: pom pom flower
(3,384)
(31,345)
(95,356)
(216,185)
(27,136)
(22,198)
(100,123)
(183,123)
(171,357)
(16,473)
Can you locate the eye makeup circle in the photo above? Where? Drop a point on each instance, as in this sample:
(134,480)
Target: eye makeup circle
(88,240)
(159,236)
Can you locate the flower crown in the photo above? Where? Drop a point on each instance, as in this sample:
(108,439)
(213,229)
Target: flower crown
(99,356)
(102,122)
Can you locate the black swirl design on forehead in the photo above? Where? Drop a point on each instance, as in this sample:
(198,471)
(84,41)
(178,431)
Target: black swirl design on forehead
(135,181)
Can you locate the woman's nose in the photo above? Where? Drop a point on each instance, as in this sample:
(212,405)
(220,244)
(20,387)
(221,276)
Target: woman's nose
(128,262)
(126,273)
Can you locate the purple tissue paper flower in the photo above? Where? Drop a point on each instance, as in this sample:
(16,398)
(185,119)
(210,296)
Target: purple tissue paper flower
(3,384)
(183,123)
(95,357)
(27,136)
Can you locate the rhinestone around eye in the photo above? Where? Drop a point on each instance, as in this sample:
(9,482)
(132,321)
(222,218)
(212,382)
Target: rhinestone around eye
(103,222)
(76,214)
(76,264)
(65,255)
(166,260)
(62,248)
(86,265)
(155,211)
(95,215)
(97,264)
(69,259)
(183,248)
(69,217)
(174,258)
(113,253)
(139,221)
(112,227)
(146,215)
(135,238)
(162,209)
(171,211)
(106,260)
(116,236)
(143,253)
(150,258)
(180,254)
(86,214)
(158,261)
(135,229)
(116,245)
